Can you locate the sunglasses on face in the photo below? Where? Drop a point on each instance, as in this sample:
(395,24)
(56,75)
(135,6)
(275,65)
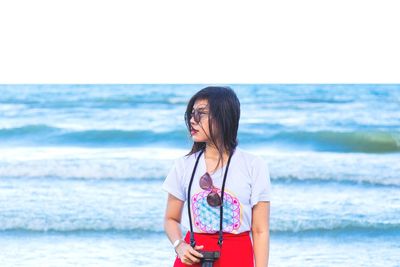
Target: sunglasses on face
(197,115)
(206,183)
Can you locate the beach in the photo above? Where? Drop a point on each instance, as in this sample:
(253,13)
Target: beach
(81,168)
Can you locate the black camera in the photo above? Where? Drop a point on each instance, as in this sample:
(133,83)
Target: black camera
(209,257)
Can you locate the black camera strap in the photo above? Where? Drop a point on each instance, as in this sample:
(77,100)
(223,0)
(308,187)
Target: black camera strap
(192,241)
(221,210)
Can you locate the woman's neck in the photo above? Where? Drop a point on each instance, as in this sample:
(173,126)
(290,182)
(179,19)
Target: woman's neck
(212,152)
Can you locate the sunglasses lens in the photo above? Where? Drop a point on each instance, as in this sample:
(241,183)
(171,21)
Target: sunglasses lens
(197,116)
(213,199)
(206,182)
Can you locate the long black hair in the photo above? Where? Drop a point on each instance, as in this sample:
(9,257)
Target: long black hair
(224,114)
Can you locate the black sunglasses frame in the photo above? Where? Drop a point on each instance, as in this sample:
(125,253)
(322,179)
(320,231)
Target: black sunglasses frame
(196,115)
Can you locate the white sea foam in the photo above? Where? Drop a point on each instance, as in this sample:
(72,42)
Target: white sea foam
(82,205)
(154,162)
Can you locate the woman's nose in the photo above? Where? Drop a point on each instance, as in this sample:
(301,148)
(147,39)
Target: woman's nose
(192,121)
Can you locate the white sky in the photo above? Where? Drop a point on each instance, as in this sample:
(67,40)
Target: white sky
(207,41)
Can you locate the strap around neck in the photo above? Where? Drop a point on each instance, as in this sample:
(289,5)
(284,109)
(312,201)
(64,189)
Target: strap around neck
(221,210)
(192,241)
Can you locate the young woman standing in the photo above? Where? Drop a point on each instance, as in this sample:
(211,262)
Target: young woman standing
(216,166)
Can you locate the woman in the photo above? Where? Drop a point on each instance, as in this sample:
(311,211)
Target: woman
(216,166)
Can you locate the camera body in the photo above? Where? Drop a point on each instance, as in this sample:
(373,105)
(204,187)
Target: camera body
(209,257)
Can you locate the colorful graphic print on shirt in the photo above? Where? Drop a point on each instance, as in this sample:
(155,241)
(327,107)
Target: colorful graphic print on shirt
(207,218)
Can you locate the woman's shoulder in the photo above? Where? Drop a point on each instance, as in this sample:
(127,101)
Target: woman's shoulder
(249,156)
(248,161)
(189,157)
(254,163)
(186,159)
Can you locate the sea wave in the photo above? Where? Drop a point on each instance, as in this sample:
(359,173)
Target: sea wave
(356,141)
(48,135)
(153,163)
(344,228)
(329,140)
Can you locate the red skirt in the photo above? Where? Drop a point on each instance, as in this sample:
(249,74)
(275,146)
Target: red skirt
(237,249)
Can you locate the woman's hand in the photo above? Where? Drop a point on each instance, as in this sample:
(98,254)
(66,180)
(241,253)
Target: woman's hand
(187,254)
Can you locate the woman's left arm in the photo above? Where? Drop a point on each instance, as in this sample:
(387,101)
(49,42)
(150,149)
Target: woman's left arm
(260,233)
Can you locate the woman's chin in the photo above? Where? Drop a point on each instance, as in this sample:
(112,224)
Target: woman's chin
(197,139)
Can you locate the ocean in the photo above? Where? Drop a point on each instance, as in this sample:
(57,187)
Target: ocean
(81,168)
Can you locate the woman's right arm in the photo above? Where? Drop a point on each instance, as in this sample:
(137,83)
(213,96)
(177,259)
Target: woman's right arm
(172,221)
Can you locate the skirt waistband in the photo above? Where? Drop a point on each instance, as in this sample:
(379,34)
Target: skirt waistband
(225,235)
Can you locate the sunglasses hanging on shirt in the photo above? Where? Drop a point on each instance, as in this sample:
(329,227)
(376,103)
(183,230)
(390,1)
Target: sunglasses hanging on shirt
(206,183)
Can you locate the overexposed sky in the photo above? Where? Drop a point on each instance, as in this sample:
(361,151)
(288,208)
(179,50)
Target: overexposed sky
(211,41)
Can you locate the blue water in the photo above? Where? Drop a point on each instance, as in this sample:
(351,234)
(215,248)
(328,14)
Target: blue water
(81,168)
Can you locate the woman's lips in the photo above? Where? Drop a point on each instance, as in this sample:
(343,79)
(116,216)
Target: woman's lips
(193,131)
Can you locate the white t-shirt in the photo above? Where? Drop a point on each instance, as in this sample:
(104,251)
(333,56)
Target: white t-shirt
(247,183)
